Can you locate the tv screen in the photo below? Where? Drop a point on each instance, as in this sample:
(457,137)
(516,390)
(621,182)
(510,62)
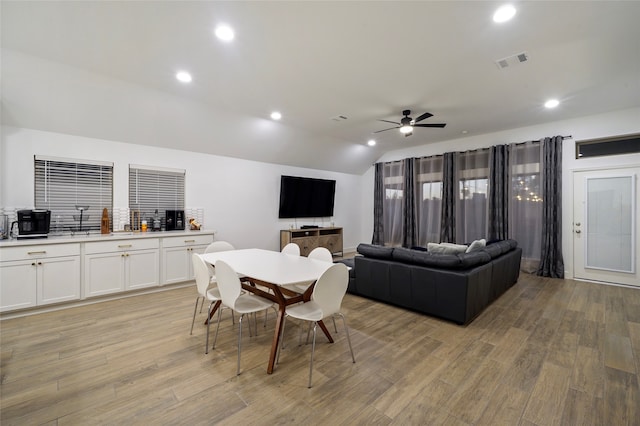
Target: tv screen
(306,197)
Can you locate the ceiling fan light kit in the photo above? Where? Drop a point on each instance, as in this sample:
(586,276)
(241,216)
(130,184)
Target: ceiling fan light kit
(407,123)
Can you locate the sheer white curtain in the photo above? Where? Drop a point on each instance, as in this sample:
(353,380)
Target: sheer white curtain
(428,198)
(471,203)
(525,212)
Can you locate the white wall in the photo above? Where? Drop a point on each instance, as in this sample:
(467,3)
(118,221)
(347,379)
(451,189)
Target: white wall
(598,126)
(240,197)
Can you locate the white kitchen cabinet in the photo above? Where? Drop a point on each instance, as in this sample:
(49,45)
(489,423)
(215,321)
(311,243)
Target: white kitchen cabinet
(115,266)
(176,256)
(36,275)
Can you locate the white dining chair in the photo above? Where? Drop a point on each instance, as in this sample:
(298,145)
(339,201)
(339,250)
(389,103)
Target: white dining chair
(205,292)
(318,253)
(321,253)
(325,302)
(292,249)
(214,247)
(232,296)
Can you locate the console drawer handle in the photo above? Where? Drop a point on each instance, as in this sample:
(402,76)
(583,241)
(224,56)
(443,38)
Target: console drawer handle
(189,241)
(124,245)
(37,252)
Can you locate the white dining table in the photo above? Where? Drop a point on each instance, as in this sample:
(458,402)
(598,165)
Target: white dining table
(277,271)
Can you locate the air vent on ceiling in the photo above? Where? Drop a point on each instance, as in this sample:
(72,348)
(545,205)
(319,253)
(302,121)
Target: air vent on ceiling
(512,60)
(339,118)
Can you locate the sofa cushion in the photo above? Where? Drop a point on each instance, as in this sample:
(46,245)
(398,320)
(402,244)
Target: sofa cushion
(469,260)
(422,258)
(476,245)
(374,251)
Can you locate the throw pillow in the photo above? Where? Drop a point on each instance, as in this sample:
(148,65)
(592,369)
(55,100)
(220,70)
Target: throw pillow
(476,245)
(446,248)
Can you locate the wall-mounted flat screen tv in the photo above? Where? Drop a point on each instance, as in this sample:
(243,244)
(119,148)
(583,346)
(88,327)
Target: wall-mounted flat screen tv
(306,197)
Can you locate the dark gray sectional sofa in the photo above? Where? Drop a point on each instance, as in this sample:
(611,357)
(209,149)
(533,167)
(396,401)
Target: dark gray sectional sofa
(455,287)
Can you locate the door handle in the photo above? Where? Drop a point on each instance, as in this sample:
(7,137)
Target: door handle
(577,231)
(577,223)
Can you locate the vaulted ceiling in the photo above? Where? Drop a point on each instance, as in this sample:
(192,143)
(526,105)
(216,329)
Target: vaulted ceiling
(107,70)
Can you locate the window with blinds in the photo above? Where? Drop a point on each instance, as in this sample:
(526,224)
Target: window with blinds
(152,188)
(68,187)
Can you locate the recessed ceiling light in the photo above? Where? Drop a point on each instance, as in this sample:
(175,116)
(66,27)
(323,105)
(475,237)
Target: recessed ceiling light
(371,142)
(184,76)
(224,32)
(504,13)
(552,103)
(275,115)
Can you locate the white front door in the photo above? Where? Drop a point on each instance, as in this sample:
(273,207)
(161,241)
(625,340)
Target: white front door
(605,226)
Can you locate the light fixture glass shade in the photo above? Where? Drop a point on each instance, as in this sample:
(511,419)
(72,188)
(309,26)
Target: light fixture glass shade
(406,129)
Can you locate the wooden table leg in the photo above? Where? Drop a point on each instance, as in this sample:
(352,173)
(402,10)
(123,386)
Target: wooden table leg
(213,311)
(325,330)
(276,339)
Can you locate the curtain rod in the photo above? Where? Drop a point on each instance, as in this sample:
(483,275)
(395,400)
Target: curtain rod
(522,143)
(517,143)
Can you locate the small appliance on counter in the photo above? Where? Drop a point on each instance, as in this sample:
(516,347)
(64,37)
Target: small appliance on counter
(174,220)
(4,226)
(32,223)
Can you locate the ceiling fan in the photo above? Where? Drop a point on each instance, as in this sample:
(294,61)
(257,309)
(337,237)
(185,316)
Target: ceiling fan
(407,123)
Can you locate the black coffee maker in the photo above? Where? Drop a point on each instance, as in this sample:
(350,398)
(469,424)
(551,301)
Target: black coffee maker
(174,220)
(32,223)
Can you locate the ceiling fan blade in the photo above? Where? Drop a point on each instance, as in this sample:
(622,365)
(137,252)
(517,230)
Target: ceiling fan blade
(390,128)
(431,125)
(423,116)
(392,122)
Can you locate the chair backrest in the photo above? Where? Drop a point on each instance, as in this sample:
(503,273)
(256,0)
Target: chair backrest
(331,288)
(291,248)
(219,246)
(201,273)
(228,283)
(321,253)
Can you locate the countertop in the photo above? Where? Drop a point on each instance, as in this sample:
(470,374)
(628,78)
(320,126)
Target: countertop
(78,238)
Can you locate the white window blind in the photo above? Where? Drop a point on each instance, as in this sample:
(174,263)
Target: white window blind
(152,189)
(65,186)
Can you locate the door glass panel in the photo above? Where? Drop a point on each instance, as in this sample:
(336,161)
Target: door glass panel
(609,223)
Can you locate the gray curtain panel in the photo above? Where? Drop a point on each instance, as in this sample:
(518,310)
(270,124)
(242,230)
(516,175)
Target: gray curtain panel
(449,192)
(378,205)
(499,183)
(428,198)
(551,262)
(409,227)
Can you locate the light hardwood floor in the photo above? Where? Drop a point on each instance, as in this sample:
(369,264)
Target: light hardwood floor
(548,352)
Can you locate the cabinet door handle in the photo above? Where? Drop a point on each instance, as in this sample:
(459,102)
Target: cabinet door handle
(39,263)
(33,264)
(37,252)
(124,245)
